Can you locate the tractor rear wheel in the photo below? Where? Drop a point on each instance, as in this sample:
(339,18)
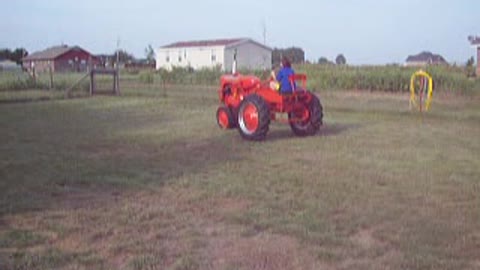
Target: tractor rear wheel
(225,119)
(253,118)
(312,124)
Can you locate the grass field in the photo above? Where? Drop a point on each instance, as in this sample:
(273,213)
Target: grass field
(148,181)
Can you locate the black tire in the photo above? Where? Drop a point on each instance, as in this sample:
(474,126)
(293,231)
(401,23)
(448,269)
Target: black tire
(227,116)
(227,91)
(259,132)
(312,125)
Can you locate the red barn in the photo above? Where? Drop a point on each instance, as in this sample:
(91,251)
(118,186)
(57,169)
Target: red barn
(60,59)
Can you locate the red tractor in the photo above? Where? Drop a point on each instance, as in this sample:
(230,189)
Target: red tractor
(250,104)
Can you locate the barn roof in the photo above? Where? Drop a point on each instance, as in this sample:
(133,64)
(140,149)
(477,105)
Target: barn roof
(51,53)
(426,57)
(211,43)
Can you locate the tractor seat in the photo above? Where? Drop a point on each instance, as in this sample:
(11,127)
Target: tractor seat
(295,78)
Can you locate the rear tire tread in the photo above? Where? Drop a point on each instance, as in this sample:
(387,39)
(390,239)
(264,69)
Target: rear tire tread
(313,124)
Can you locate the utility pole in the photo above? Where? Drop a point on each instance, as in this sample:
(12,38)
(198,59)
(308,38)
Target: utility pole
(116,79)
(264,33)
(118,53)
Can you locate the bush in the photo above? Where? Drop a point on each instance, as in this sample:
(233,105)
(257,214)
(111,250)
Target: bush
(146,77)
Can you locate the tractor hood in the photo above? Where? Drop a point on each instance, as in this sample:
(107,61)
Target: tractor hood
(244,81)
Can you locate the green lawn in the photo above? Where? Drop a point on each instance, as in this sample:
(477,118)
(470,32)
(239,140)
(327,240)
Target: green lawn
(148,181)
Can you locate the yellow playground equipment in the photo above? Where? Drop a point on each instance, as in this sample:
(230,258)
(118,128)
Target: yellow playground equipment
(421,90)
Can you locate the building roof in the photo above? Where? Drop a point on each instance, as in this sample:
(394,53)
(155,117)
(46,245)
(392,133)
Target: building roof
(203,43)
(51,53)
(474,40)
(427,57)
(211,43)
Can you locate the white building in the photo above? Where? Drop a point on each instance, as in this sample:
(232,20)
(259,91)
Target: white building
(215,53)
(475,41)
(9,65)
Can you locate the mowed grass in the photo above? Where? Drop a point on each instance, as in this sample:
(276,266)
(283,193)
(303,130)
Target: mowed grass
(148,181)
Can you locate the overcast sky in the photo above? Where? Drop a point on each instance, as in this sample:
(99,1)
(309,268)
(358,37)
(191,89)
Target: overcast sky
(365,31)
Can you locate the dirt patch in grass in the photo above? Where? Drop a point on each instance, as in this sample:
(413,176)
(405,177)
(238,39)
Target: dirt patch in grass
(365,239)
(370,252)
(168,227)
(262,251)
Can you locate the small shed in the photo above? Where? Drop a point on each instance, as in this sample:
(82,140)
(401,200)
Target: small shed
(8,65)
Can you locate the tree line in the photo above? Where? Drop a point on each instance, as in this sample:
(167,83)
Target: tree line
(15,55)
(294,54)
(339,60)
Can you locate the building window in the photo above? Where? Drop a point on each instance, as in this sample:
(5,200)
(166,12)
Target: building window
(167,56)
(214,56)
(179,56)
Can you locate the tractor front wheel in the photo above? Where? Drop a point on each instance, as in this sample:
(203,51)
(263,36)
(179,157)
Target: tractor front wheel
(253,118)
(312,124)
(225,119)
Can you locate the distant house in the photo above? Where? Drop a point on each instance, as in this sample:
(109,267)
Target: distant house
(60,59)
(424,59)
(106,60)
(475,41)
(140,64)
(215,53)
(8,65)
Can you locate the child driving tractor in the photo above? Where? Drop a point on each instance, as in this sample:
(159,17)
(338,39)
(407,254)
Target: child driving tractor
(283,77)
(249,104)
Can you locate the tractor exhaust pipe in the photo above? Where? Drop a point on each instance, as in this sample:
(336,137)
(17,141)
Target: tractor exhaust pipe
(234,64)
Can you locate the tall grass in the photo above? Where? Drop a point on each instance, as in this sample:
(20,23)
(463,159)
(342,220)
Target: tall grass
(331,77)
(23,81)
(384,78)
(320,77)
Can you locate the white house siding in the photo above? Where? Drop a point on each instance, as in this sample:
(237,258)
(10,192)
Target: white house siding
(249,55)
(195,57)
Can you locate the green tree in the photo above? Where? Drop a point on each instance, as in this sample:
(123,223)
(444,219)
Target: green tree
(324,61)
(150,54)
(294,54)
(18,55)
(15,55)
(122,56)
(470,67)
(5,53)
(341,60)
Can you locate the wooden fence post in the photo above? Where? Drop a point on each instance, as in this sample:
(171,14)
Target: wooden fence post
(117,82)
(34,76)
(51,76)
(92,82)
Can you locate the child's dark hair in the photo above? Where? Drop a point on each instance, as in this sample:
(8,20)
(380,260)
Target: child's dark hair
(286,62)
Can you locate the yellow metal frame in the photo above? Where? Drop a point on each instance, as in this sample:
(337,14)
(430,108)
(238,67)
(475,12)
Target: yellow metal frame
(413,97)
